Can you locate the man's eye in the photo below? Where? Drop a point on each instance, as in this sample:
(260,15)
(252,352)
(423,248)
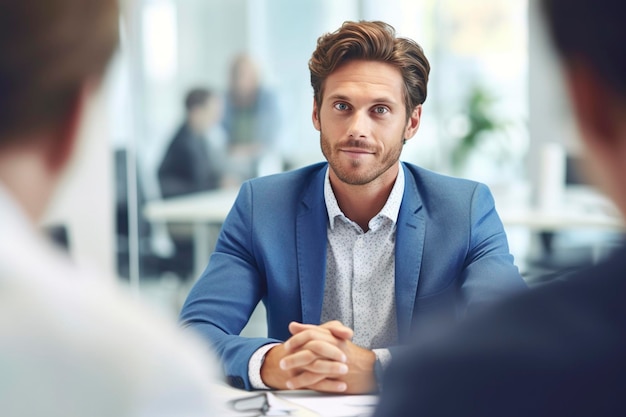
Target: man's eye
(341,106)
(380,110)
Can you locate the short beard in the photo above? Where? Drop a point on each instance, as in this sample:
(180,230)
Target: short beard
(352,178)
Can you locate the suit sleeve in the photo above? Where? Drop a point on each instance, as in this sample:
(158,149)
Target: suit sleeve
(175,177)
(222,301)
(488,272)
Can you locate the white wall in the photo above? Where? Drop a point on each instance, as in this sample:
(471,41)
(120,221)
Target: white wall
(550,117)
(84,201)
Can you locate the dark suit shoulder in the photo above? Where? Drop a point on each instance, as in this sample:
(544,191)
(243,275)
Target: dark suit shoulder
(177,145)
(554,350)
(556,317)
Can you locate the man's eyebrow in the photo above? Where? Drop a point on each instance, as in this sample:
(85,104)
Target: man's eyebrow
(384,100)
(339,97)
(379,100)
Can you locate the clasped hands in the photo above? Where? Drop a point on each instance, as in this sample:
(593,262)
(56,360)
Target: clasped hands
(321,358)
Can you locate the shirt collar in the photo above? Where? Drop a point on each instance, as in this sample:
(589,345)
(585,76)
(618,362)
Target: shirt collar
(13,216)
(390,210)
(18,231)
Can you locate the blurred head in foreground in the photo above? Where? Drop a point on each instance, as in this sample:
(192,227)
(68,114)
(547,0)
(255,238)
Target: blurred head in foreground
(72,345)
(589,37)
(53,56)
(559,348)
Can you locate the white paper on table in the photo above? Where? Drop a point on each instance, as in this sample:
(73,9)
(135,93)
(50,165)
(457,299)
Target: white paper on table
(328,405)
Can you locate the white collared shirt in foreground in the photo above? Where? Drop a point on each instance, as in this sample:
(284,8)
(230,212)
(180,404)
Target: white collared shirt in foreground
(75,345)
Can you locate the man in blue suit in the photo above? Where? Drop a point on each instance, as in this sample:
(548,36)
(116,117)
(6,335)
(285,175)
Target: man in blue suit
(354,256)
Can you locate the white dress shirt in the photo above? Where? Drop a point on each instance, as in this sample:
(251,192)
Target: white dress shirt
(360,277)
(73,345)
(360,271)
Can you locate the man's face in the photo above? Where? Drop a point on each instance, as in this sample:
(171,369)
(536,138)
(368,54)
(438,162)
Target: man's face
(362,121)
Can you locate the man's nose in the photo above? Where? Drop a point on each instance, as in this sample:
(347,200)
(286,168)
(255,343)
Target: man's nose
(359,125)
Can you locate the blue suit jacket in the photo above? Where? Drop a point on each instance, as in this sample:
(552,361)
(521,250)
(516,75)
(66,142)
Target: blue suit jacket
(451,255)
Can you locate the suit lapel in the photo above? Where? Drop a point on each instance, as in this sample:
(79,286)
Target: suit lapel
(311,223)
(410,233)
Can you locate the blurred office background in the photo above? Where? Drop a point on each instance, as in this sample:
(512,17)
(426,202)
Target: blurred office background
(495,112)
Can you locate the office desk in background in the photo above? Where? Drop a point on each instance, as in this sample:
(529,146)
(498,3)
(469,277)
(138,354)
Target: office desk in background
(205,211)
(581,208)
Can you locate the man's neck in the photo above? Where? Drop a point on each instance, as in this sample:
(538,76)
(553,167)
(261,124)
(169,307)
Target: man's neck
(360,203)
(193,128)
(23,173)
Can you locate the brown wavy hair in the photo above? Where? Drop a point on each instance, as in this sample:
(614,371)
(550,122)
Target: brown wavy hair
(371,41)
(594,32)
(48,49)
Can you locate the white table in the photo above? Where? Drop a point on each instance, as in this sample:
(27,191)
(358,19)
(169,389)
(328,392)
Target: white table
(556,220)
(202,210)
(579,208)
(206,207)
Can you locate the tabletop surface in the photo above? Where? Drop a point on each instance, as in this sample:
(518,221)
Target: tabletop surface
(579,209)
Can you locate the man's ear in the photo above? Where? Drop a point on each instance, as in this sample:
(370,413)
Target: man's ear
(413,123)
(316,116)
(67,130)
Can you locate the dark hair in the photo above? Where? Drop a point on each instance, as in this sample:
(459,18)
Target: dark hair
(375,41)
(196,97)
(49,48)
(593,31)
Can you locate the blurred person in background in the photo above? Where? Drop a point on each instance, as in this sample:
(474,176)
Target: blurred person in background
(352,256)
(250,121)
(558,350)
(191,164)
(71,344)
